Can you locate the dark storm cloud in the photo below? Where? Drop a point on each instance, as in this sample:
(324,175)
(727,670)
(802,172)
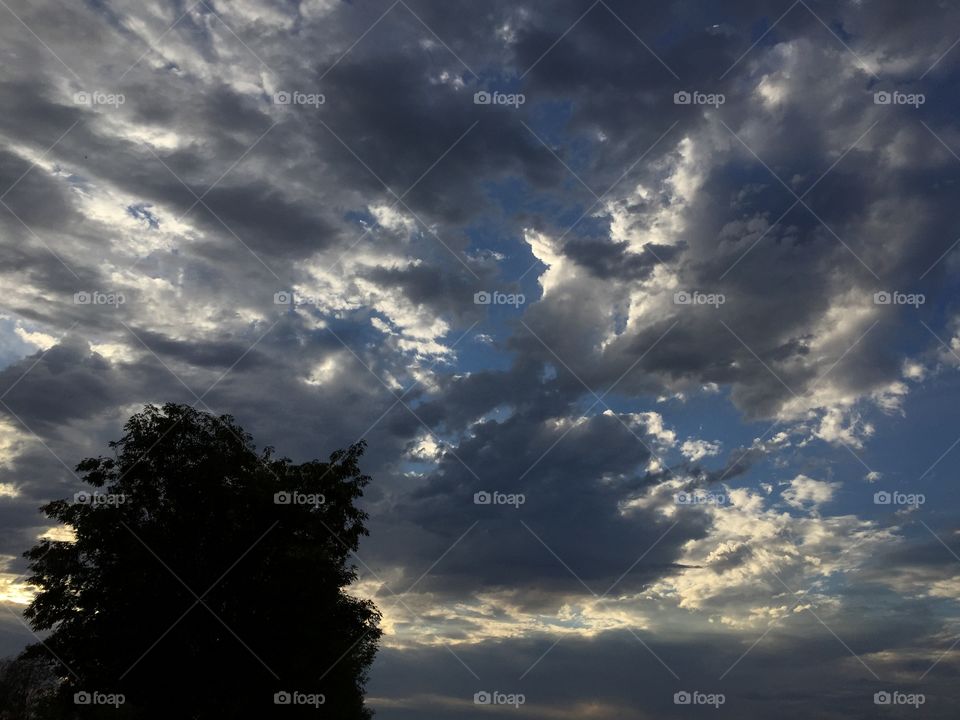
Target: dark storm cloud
(614,675)
(425,118)
(923,567)
(398,123)
(606,260)
(51,208)
(63,384)
(783,286)
(222,354)
(573,478)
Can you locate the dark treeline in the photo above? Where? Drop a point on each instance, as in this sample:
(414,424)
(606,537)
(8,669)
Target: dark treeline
(207,580)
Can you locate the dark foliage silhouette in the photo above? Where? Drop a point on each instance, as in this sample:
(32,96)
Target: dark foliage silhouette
(207,580)
(28,687)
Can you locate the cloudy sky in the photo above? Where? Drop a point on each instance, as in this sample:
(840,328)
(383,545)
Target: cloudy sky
(673,283)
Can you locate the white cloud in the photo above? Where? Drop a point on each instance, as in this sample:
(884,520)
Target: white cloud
(13,591)
(737,571)
(38,339)
(807,493)
(652,423)
(695,450)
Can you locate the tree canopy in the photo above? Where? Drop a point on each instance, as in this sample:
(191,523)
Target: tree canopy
(206,579)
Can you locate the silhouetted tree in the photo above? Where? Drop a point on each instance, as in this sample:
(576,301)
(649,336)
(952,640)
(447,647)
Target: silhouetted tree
(28,688)
(205,579)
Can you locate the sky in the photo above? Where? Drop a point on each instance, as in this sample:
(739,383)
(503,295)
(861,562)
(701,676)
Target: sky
(647,311)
